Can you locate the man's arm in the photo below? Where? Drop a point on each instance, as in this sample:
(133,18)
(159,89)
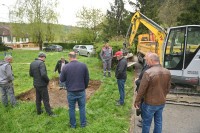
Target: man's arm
(142,88)
(43,72)
(86,77)
(9,72)
(56,67)
(30,72)
(101,55)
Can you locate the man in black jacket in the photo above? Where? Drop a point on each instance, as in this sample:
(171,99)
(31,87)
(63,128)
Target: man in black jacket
(59,67)
(40,81)
(120,74)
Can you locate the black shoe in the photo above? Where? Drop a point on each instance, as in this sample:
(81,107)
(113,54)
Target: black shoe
(53,115)
(140,120)
(138,112)
(139,125)
(39,113)
(119,104)
(109,74)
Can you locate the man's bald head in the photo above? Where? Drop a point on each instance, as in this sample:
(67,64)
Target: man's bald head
(72,55)
(154,59)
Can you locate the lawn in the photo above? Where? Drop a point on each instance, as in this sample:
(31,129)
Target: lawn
(102,113)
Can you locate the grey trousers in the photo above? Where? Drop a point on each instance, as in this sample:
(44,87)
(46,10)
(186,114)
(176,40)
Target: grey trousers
(6,90)
(107,65)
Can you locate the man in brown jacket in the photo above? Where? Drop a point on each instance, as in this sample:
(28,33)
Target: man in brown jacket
(154,86)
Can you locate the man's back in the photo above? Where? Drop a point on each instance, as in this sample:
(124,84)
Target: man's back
(76,76)
(157,82)
(39,73)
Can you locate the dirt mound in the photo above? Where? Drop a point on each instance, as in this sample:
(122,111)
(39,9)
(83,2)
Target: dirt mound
(58,98)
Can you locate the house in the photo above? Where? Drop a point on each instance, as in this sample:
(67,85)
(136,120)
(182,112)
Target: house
(7,37)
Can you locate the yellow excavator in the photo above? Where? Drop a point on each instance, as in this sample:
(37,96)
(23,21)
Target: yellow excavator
(178,48)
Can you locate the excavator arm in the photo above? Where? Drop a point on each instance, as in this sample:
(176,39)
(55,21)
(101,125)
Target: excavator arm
(159,32)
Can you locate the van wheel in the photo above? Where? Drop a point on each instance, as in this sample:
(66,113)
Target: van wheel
(88,54)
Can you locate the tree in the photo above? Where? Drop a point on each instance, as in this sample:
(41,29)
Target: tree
(169,11)
(39,14)
(117,20)
(89,19)
(191,14)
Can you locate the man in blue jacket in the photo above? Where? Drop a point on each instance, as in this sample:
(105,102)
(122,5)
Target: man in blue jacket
(76,77)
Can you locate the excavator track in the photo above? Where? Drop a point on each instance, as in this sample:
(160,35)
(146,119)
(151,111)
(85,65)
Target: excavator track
(184,96)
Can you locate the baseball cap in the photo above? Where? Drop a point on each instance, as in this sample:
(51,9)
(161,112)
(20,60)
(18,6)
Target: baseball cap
(41,54)
(118,53)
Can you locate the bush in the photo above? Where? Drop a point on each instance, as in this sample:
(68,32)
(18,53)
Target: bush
(67,45)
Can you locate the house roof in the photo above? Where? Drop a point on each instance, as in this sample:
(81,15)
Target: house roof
(4,30)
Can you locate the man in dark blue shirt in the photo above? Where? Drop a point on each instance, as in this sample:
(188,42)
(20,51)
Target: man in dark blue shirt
(76,77)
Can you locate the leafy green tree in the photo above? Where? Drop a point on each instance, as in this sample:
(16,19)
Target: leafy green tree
(191,14)
(117,20)
(39,14)
(89,19)
(169,11)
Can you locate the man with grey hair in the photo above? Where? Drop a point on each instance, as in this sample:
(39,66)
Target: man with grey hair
(6,81)
(154,87)
(76,77)
(106,57)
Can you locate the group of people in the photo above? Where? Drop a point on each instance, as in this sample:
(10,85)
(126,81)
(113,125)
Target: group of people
(152,85)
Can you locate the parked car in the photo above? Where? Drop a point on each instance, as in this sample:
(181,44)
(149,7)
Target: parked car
(76,48)
(53,47)
(86,50)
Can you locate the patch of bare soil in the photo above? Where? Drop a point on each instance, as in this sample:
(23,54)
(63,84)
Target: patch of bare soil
(58,98)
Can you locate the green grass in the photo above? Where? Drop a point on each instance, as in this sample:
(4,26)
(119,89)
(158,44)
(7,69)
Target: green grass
(102,114)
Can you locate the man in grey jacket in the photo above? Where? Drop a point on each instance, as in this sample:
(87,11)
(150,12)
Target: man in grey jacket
(40,81)
(106,57)
(6,81)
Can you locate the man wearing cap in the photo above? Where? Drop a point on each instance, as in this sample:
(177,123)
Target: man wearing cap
(120,74)
(59,67)
(76,77)
(40,81)
(106,57)
(6,81)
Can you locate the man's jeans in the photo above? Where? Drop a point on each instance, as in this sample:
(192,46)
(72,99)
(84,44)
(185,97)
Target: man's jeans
(6,90)
(148,112)
(72,98)
(121,83)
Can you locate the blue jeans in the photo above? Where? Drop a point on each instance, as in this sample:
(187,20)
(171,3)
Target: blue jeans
(79,97)
(148,112)
(121,83)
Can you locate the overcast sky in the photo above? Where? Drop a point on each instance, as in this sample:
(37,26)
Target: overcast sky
(67,9)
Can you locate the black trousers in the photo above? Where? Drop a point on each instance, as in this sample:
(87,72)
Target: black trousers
(42,95)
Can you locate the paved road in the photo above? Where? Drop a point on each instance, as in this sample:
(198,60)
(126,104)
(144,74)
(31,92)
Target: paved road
(177,119)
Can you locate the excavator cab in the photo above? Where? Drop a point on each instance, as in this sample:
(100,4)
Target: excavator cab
(182,54)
